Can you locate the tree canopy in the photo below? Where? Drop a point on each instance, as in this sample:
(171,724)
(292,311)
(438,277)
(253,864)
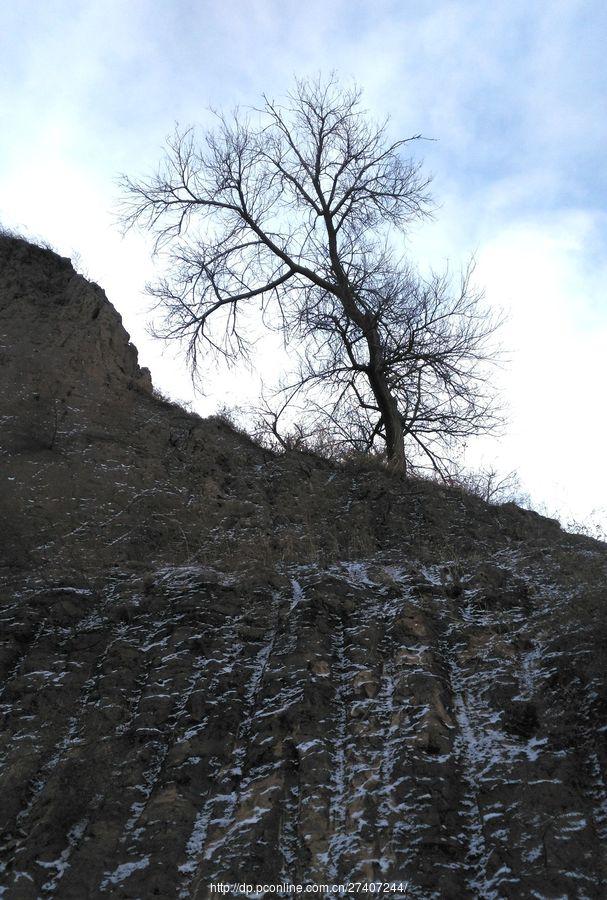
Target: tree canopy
(298,209)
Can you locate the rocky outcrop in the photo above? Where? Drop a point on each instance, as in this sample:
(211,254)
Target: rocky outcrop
(221,665)
(59,330)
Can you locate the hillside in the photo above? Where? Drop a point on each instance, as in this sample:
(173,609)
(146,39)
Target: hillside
(220,664)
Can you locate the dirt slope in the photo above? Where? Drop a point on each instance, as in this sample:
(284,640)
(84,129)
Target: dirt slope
(222,665)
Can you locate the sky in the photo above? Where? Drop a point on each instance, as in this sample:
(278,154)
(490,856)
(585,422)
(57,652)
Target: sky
(511,93)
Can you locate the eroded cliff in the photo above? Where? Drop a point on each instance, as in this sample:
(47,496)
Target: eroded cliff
(223,665)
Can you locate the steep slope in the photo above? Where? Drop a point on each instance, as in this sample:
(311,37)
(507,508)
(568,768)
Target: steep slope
(222,665)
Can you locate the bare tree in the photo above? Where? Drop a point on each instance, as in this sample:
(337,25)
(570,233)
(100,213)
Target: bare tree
(491,485)
(295,209)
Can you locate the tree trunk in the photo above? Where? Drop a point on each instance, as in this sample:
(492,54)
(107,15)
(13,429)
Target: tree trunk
(395,438)
(395,443)
(388,407)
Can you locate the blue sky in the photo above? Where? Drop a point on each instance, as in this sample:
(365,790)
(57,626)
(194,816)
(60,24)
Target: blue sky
(512,94)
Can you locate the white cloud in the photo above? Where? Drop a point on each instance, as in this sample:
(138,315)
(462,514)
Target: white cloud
(554,383)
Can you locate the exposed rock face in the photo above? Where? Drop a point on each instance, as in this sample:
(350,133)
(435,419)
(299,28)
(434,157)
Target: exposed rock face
(64,333)
(222,665)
